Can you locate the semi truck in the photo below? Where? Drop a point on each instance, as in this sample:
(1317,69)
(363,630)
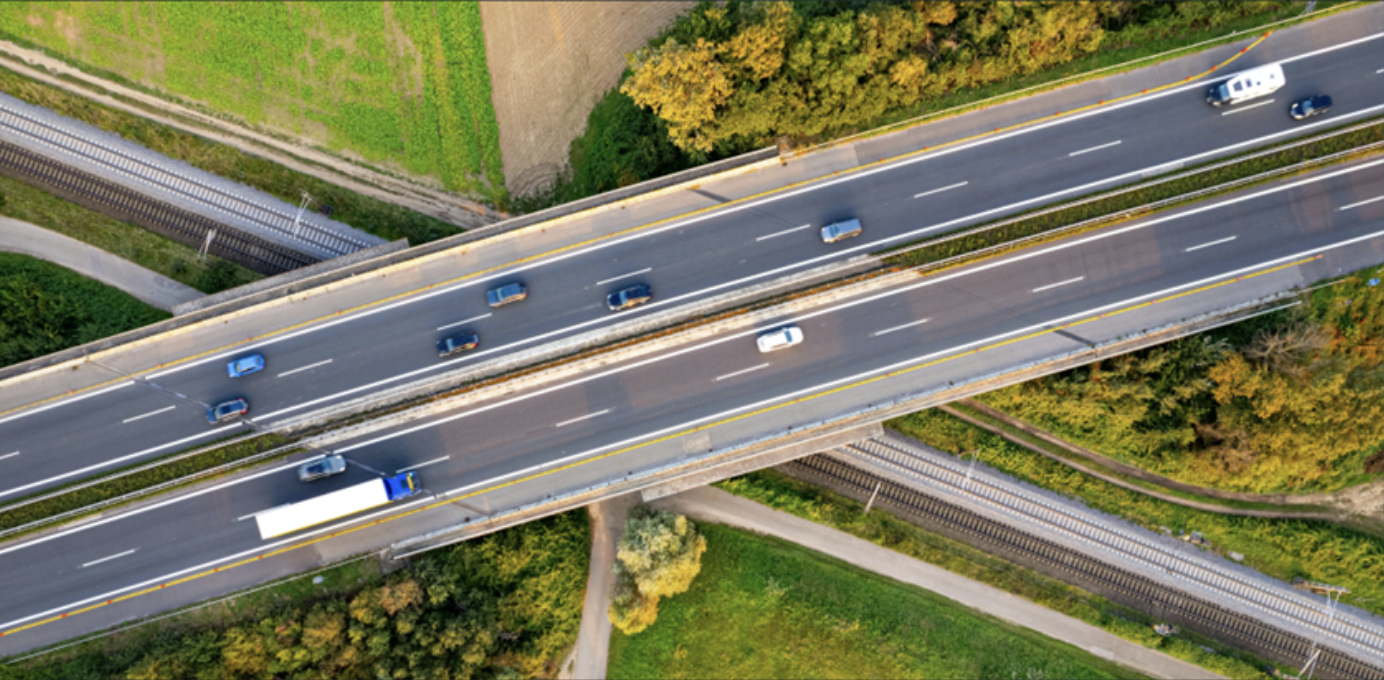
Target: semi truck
(287,519)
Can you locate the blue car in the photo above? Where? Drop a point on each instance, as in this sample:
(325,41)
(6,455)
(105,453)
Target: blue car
(245,365)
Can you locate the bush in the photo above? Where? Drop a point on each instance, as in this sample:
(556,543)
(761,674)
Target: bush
(658,556)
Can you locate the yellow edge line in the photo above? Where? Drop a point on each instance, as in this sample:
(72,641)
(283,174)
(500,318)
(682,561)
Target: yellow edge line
(659,440)
(624,232)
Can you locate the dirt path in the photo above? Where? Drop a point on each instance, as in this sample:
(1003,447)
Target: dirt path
(1365,500)
(147,286)
(550,62)
(593,638)
(714,505)
(415,193)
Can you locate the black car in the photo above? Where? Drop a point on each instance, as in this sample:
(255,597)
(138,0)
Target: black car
(630,297)
(227,410)
(457,343)
(1311,106)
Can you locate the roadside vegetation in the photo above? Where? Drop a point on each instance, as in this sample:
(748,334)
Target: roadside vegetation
(1288,402)
(766,608)
(824,507)
(506,605)
(57,502)
(724,79)
(374,216)
(403,84)
(45,308)
(658,556)
(1281,548)
(1123,206)
(128,241)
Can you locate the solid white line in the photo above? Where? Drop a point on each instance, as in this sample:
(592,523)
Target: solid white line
(785,231)
(1094,148)
(585,417)
(423,464)
(305,368)
(897,328)
(107,559)
(938,191)
(1246,108)
(742,372)
(625,276)
(1208,245)
(151,413)
(122,459)
(65,402)
(1356,205)
(563,461)
(1059,283)
(463,321)
(9,455)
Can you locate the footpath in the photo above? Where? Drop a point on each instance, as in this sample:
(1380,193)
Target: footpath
(714,505)
(149,287)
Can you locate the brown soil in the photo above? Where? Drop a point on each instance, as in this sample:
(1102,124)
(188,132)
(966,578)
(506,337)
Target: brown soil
(550,62)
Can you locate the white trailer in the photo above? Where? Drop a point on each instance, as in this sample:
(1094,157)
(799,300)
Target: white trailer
(1255,82)
(335,505)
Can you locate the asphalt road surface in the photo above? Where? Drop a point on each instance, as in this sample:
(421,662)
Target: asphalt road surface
(1338,212)
(685,261)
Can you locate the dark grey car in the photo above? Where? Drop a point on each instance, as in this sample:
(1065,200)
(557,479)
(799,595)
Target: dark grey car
(325,467)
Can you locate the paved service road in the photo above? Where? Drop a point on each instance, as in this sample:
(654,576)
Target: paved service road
(1336,213)
(683,261)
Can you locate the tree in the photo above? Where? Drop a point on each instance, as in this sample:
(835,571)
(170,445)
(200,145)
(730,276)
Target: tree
(658,556)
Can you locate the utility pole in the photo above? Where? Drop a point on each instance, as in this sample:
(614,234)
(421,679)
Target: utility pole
(297,219)
(972,467)
(1333,595)
(206,245)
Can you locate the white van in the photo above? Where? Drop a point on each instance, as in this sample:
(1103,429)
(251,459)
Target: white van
(1255,82)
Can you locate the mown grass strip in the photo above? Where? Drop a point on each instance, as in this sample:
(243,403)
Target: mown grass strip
(1121,202)
(89,494)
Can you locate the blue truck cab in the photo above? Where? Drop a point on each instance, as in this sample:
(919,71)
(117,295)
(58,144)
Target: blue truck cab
(402,485)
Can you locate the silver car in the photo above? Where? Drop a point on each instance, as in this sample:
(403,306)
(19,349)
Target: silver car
(323,467)
(841,231)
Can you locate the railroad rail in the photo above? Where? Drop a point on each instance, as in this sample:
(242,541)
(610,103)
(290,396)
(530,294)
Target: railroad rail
(1081,568)
(255,253)
(284,224)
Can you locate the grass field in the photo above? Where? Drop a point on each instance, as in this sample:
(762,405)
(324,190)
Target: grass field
(765,608)
(45,308)
(401,84)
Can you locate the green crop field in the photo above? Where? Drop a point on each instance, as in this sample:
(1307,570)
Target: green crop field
(397,84)
(765,608)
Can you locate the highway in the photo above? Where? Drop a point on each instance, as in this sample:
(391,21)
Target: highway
(688,260)
(1337,213)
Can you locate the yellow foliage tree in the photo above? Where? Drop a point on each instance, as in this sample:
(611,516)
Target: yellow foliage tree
(683,84)
(658,556)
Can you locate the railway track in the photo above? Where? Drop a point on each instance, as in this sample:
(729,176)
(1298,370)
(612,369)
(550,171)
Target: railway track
(261,255)
(110,160)
(1083,569)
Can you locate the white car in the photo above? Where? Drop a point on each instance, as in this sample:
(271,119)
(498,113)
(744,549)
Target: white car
(780,338)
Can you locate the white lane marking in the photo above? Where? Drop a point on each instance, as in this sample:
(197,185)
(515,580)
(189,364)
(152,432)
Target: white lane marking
(9,455)
(741,372)
(107,559)
(897,328)
(1208,245)
(309,367)
(785,231)
(65,402)
(121,459)
(1356,205)
(625,276)
(784,195)
(562,461)
(892,166)
(423,464)
(463,321)
(151,413)
(938,191)
(1379,71)
(1059,283)
(585,417)
(1246,108)
(1094,148)
(261,512)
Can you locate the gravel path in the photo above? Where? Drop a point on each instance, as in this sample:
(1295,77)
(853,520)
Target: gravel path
(150,287)
(593,639)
